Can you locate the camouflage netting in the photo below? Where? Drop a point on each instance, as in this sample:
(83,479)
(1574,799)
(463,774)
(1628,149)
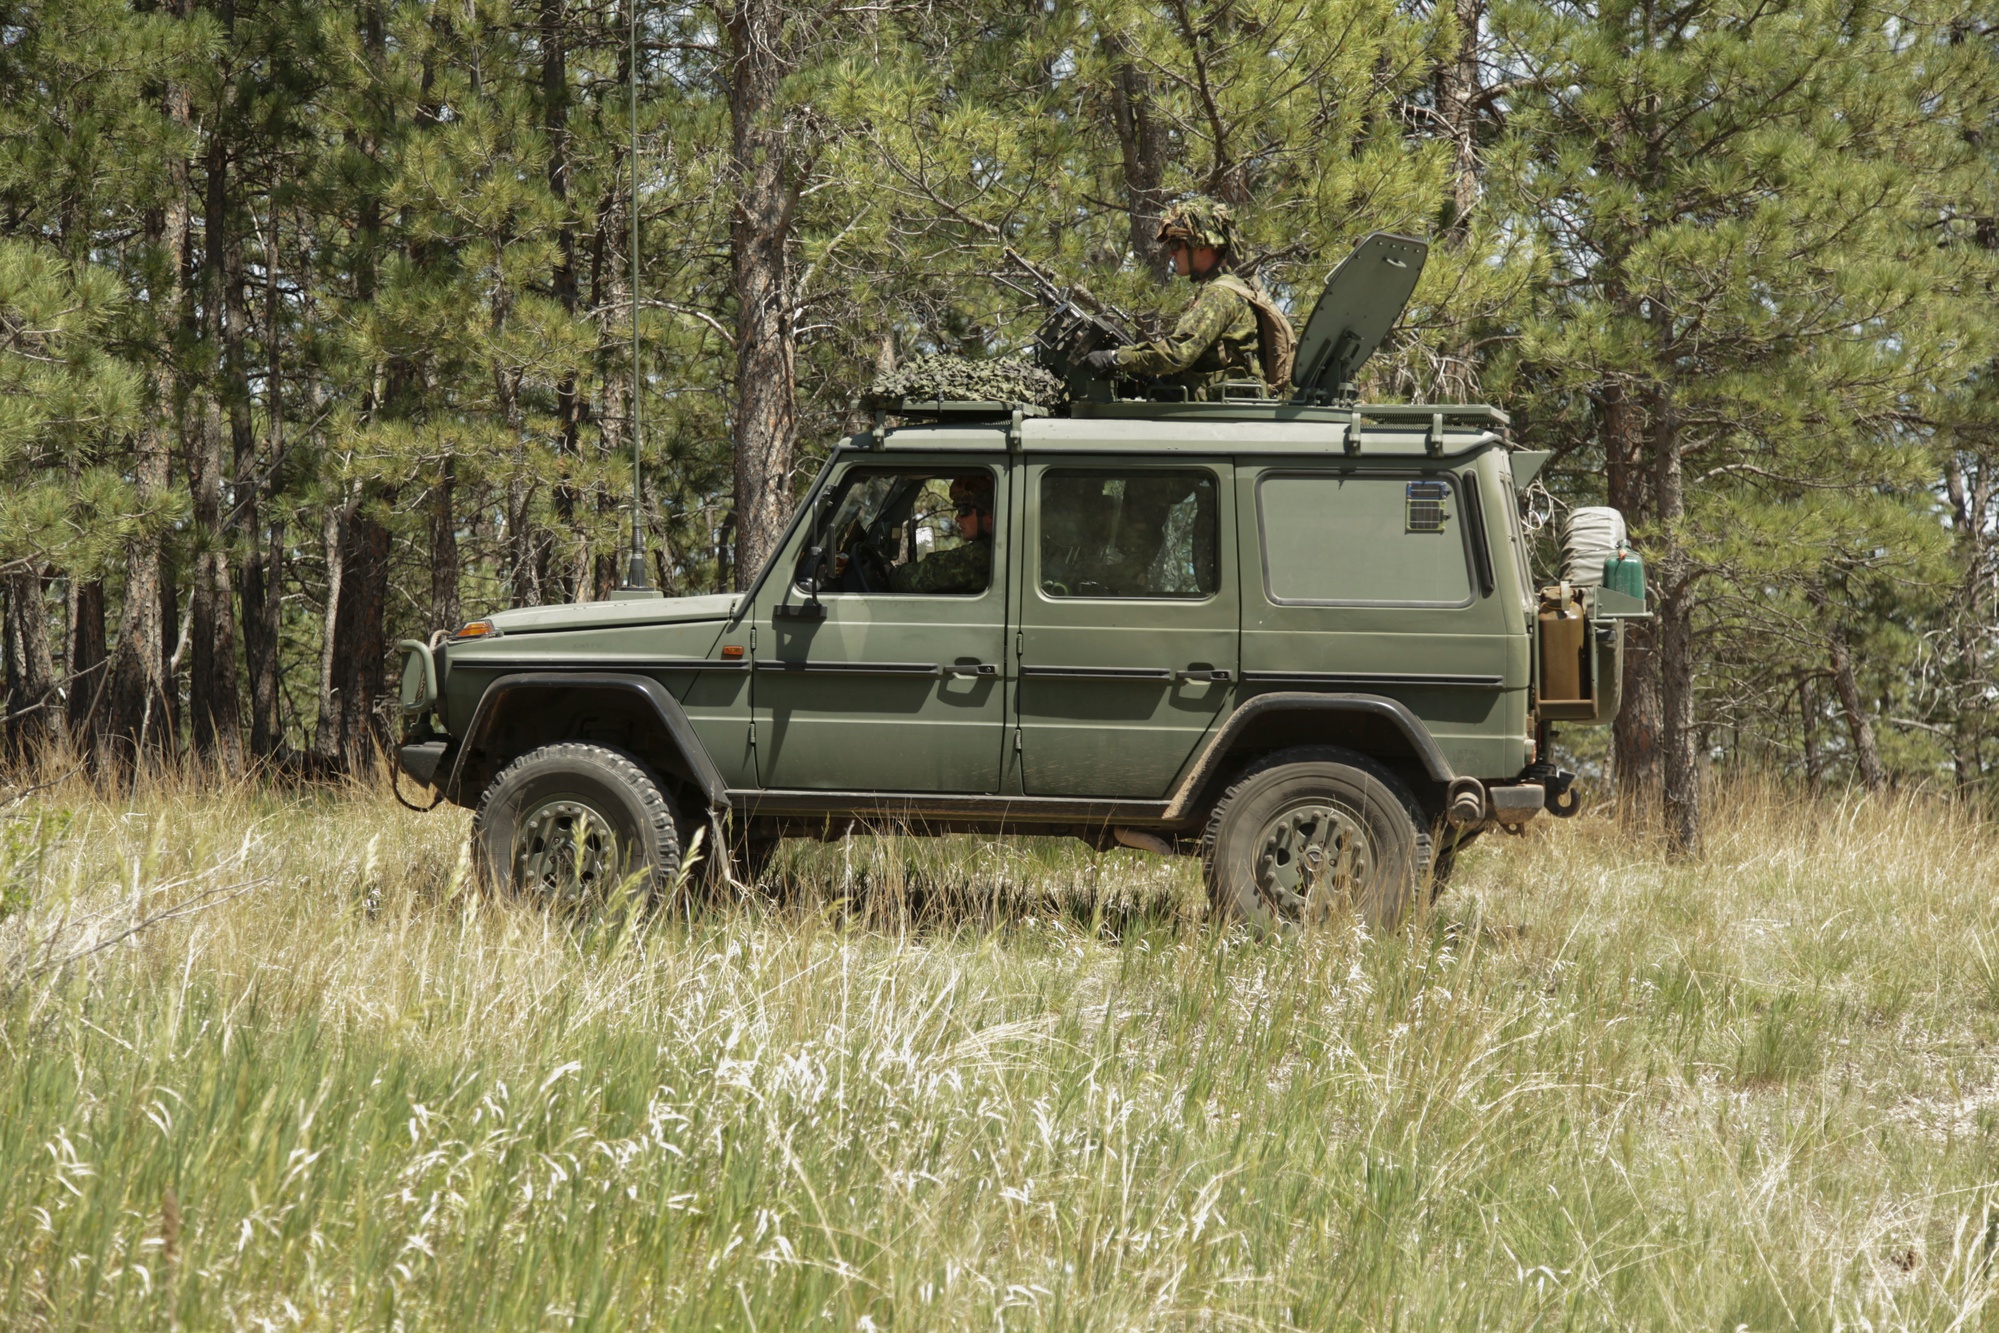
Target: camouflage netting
(1014,382)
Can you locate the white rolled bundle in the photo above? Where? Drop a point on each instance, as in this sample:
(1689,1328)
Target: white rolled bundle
(1592,536)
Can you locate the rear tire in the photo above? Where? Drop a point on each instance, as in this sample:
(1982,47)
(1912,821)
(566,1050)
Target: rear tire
(572,824)
(1311,833)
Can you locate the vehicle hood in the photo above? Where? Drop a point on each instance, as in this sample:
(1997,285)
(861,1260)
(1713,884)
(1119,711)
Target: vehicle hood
(605,615)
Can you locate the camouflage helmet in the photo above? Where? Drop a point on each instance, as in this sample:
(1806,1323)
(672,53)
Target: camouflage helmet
(1199,221)
(974,489)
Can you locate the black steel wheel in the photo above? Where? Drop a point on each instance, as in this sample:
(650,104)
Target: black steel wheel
(574,824)
(1310,835)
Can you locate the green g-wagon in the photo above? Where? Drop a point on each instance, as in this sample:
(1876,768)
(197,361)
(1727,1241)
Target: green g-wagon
(1301,640)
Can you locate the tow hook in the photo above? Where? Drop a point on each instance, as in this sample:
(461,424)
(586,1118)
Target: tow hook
(1559,795)
(1563,800)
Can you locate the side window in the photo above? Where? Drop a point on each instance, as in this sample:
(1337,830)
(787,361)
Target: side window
(1343,540)
(1128,533)
(902,531)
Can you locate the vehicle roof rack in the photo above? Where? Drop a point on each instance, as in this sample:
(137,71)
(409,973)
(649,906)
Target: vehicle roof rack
(1481,415)
(955,409)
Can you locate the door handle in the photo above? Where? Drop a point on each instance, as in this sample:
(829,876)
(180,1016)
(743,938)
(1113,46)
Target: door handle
(974,669)
(1219,675)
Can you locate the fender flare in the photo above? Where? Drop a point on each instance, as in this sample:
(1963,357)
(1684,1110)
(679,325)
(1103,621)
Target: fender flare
(511,691)
(1373,706)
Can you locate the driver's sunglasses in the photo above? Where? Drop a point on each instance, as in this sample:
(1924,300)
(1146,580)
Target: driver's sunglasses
(970,507)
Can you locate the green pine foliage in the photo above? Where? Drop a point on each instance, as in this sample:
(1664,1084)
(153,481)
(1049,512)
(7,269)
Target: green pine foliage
(370,264)
(61,395)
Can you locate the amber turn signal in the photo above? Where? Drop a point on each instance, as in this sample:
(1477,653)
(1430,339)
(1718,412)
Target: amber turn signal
(731,651)
(477,629)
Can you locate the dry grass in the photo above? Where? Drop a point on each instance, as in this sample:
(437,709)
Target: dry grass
(975,1085)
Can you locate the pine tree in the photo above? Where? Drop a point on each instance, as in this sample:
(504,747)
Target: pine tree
(58,390)
(1730,200)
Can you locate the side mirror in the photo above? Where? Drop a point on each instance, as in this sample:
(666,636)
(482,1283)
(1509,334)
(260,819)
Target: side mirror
(815,562)
(811,608)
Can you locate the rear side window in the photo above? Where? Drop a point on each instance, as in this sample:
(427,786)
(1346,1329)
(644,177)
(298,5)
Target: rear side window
(1128,533)
(1342,540)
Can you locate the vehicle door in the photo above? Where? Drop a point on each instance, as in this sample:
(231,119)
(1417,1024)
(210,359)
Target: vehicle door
(1375,577)
(1128,615)
(894,684)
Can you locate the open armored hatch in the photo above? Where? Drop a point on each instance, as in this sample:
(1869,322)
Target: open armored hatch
(1363,298)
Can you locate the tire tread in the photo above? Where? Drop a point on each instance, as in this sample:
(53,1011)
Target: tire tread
(662,828)
(1424,850)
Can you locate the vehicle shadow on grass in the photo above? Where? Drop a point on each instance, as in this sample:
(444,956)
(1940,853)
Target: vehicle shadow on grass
(943,886)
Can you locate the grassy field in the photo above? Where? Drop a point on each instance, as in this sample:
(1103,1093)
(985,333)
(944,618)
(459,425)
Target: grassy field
(978,1085)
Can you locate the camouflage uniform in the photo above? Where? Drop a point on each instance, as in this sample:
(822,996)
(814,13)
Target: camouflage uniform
(1214,341)
(1216,338)
(965,568)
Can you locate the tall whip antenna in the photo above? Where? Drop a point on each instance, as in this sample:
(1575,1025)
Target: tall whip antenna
(635,567)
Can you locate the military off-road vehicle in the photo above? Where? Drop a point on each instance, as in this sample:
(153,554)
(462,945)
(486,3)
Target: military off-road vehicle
(1300,638)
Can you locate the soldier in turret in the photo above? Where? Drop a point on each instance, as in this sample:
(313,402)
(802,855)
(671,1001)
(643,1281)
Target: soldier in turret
(1216,338)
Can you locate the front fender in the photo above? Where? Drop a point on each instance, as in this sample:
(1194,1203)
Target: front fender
(533,703)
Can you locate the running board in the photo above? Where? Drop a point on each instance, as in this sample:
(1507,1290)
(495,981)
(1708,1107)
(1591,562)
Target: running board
(891,808)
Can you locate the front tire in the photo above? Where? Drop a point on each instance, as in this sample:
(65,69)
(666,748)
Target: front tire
(1310,833)
(572,824)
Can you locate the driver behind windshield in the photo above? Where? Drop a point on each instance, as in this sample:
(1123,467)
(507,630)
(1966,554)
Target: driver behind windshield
(966,567)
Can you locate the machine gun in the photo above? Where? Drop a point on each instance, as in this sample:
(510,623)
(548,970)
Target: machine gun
(1077,324)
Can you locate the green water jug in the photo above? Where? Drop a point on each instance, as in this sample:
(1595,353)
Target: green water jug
(1624,572)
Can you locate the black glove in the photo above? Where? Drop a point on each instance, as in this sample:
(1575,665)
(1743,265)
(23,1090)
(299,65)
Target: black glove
(1103,361)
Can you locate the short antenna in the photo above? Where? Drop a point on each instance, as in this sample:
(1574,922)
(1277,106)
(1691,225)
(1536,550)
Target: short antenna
(636,578)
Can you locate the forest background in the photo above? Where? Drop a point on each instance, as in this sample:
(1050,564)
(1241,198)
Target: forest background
(315,317)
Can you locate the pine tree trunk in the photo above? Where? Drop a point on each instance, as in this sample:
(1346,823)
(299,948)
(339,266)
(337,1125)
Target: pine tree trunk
(444,548)
(1143,149)
(332,536)
(610,294)
(1970,491)
(214,705)
(263,582)
(137,690)
(87,659)
(1456,91)
(216,729)
(570,577)
(352,671)
(262,564)
(34,709)
(1680,768)
(359,646)
(1808,720)
(766,425)
(175,632)
(1866,755)
(136,694)
(1635,734)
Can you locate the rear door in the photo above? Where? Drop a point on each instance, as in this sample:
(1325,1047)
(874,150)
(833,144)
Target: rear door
(1373,578)
(1129,619)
